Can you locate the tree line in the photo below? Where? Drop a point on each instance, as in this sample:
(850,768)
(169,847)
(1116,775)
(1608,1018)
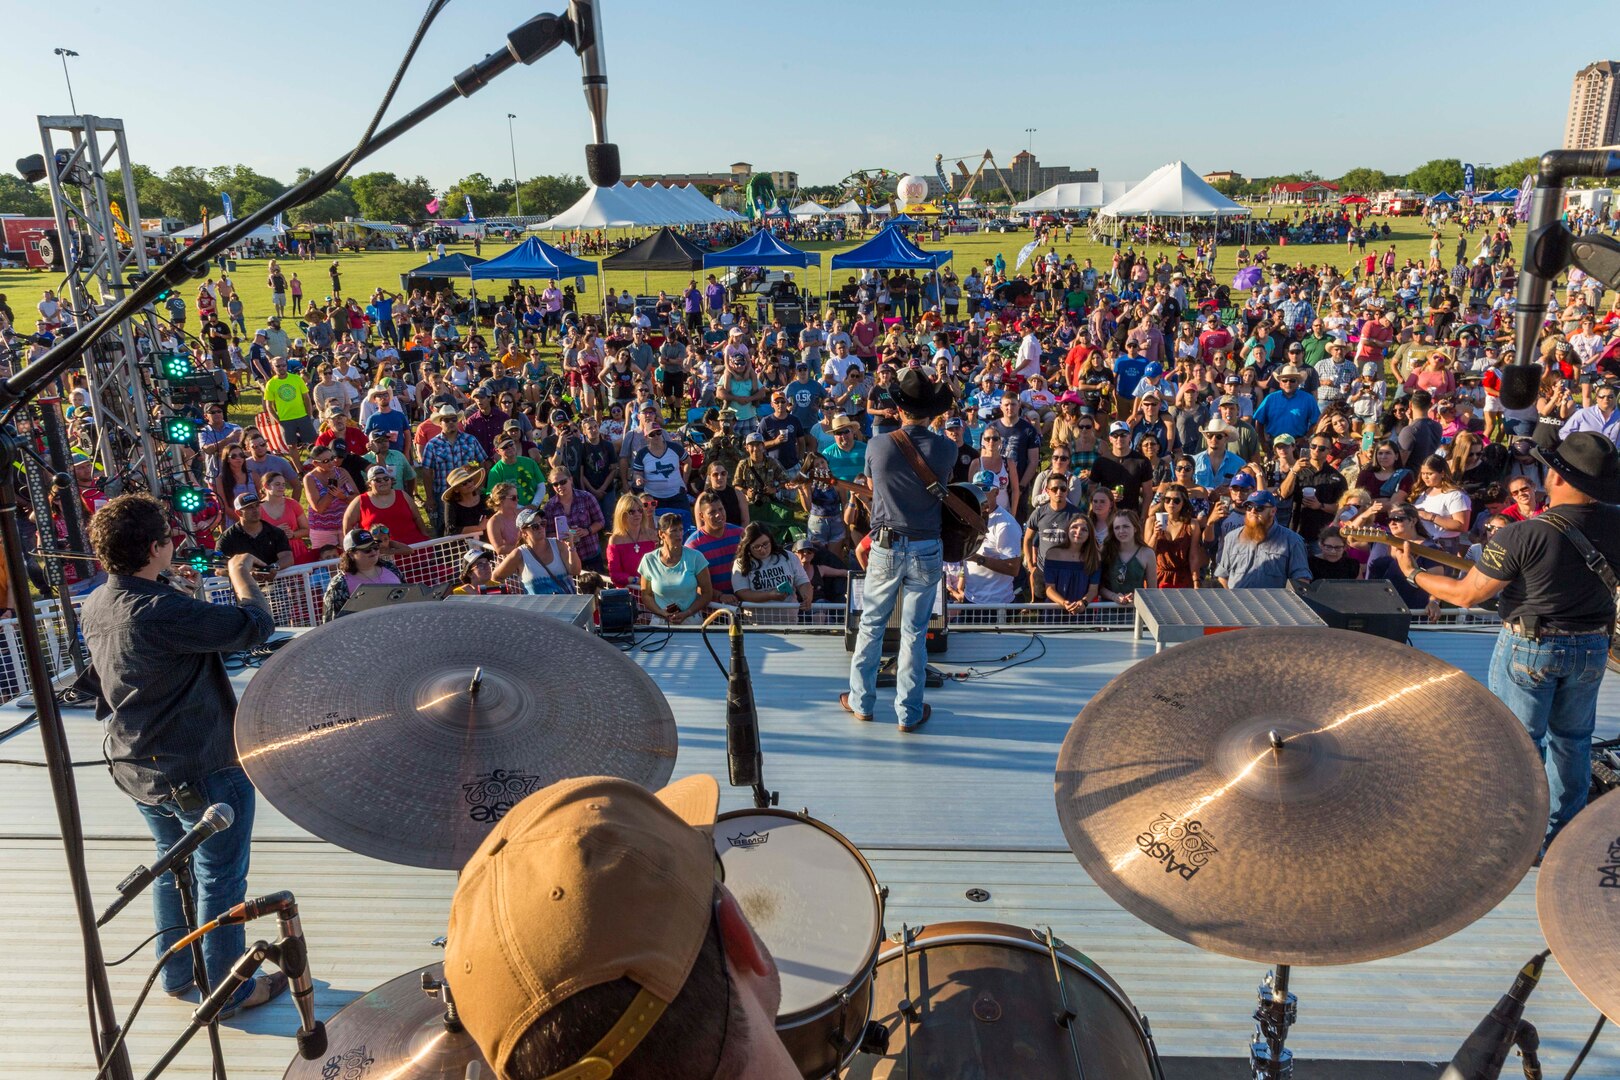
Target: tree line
(187,191)
(1431,178)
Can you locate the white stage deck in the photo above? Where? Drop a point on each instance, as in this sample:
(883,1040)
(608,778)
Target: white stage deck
(967,803)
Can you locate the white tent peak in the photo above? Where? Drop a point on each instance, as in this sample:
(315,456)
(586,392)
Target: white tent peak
(1173,190)
(1086,196)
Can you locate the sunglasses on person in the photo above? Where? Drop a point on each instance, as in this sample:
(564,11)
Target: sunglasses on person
(1086,427)
(1184,468)
(1523,492)
(1321,446)
(366,549)
(1174,500)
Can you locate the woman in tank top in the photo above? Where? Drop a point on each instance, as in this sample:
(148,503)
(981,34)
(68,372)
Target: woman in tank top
(545,566)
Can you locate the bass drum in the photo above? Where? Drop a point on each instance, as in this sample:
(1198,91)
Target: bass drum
(980,1001)
(816,905)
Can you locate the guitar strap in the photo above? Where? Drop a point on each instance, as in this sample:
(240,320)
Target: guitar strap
(1590,555)
(952,501)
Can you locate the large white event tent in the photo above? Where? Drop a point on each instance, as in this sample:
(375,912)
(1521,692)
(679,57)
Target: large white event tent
(809,208)
(266,232)
(1087,196)
(1173,191)
(848,206)
(637,205)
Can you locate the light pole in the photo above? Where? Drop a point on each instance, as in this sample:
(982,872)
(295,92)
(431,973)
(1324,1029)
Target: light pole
(512,141)
(1029,162)
(64,54)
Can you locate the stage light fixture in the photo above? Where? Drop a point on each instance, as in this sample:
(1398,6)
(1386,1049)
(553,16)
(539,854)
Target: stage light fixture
(175,366)
(180,430)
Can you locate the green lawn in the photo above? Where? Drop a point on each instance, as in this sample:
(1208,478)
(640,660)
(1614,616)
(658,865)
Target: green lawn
(364,272)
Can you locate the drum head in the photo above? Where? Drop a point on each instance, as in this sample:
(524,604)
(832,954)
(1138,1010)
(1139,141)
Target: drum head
(984,1005)
(809,897)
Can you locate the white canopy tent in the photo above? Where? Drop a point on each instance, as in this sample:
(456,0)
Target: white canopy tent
(1088,196)
(664,201)
(267,233)
(1173,191)
(606,208)
(809,208)
(711,210)
(849,206)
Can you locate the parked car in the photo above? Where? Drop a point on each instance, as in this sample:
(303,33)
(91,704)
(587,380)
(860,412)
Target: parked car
(1002,225)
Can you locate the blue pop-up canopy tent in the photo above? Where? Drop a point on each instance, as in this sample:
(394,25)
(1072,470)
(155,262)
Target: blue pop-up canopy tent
(534,258)
(890,250)
(429,274)
(761,249)
(1444,197)
(1500,197)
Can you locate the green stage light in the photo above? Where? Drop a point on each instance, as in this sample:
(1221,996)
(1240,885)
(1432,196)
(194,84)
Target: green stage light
(180,430)
(175,366)
(189,500)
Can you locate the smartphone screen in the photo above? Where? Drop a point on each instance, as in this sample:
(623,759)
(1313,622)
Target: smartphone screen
(559,526)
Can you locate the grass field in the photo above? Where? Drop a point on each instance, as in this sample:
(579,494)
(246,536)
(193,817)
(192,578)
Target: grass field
(364,272)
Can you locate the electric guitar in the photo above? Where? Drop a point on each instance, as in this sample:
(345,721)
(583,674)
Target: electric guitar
(1419,551)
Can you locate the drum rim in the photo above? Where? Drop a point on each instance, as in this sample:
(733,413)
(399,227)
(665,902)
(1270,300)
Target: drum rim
(1028,944)
(868,969)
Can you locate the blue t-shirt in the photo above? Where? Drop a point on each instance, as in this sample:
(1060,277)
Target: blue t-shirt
(1127,373)
(385,311)
(786,455)
(676,584)
(805,400)
(393,422)
(1281,414)
(845,465)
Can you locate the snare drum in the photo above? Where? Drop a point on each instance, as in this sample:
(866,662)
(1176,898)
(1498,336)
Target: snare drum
(982,999)
(815,904)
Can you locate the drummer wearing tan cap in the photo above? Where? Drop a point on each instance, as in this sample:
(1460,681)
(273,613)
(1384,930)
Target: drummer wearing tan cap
(589,937)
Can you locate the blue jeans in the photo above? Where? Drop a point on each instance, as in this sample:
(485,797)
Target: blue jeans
(1552,687)
(220,867)
(908,574)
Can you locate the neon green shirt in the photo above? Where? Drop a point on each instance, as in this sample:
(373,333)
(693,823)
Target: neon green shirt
(285,393)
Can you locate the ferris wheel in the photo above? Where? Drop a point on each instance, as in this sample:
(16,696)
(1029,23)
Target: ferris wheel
(870,187)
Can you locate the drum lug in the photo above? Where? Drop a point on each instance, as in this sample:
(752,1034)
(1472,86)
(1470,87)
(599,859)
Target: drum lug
(907,1008)
(883,892)
(875,1039)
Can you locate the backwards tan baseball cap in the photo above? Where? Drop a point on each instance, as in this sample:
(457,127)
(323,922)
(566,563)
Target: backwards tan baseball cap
(587,881)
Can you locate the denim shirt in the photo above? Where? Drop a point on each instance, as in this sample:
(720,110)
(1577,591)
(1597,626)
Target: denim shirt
(164,695)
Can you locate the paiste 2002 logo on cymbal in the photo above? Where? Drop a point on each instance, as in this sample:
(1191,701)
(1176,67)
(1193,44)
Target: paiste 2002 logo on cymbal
(352,1064)
(1182,846)
(491,795)
(1609,873)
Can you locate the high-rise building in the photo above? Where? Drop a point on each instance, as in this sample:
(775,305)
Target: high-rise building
(1594,107)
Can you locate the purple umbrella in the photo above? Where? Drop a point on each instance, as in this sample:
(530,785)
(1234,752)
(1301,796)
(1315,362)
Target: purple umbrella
(1247,278)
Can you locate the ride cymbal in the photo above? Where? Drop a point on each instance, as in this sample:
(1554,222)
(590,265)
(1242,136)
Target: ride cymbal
(406,733)
(1300,795)
(395,1031)
(1578,902)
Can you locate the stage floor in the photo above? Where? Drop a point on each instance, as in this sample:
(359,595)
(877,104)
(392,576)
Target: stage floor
(966,804)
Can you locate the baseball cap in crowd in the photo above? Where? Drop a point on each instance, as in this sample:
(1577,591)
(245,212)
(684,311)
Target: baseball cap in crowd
(1119,427)
(1261,499)
(1369,369)
(245,500)
(1233,380)
(1284,439)
(357,538)
(1296,347)
(1228,399)
(585,882)
(1242,482)
(528,516)
(1153,370)
(473,554)
(804,543)
(376,472)
(984,480)
(954,424)
(754,438)
(559,416)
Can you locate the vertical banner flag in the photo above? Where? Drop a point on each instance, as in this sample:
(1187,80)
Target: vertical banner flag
(470,215)
(119,229)
(278,225)
(1468,179)
(433,205)
(1024,253)
(1521,205)
(230,211)
(202,212)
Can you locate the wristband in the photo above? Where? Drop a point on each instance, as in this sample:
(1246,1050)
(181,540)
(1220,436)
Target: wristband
(1411,579)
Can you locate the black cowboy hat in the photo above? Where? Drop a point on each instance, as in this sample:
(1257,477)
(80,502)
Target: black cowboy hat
(1588,462)
(915,393)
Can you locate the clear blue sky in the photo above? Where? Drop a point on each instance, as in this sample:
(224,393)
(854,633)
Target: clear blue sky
(828,88)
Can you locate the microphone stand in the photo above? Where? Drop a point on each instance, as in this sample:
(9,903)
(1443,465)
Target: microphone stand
(526,44)
(208,1012)
(186,881)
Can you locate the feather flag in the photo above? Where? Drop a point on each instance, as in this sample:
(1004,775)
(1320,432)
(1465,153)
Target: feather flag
(433,205)
(230,211)
(1024,253)
(470,215)
(119,228)
(278,225)
(1521,205)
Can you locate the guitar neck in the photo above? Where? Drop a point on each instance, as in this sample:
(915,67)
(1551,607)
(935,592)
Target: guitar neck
(1422,551)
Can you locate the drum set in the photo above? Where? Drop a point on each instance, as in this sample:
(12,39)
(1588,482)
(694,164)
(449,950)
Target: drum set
(1320,812)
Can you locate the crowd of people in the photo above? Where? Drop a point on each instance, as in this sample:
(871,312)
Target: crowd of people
(1130,426)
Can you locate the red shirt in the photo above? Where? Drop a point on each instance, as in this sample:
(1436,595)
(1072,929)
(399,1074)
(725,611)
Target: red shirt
(353,439)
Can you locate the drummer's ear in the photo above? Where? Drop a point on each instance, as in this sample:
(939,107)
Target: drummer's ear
(743,947)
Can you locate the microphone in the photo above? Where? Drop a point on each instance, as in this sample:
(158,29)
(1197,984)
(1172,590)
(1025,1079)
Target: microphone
(259,906)
(311,1035)
(216,818)
(742,720)
(1484,1051)
(1546,255)
(601,156)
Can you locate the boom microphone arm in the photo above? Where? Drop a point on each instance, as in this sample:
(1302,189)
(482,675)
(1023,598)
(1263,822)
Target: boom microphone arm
(1550,249)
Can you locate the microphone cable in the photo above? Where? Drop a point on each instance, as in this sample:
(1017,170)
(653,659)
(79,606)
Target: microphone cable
(432,13)
(1591,1040)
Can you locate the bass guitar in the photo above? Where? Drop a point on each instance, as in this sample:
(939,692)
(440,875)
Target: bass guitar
(1419,551)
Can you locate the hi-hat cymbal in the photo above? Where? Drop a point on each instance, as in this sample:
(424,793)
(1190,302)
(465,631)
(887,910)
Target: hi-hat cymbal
(405,733)
(1578,902)
(1301,795)
(395,1031)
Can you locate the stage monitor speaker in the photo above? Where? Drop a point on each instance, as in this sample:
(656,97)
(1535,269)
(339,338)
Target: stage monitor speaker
(936,637)
(1370,607)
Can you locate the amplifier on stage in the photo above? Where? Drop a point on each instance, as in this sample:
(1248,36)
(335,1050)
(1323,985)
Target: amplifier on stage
(937,636)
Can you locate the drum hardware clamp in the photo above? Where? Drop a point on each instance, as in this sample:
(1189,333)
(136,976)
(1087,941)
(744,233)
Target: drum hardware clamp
(1277,1012)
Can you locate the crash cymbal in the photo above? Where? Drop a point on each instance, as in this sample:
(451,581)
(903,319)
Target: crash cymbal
(1400,802)
(395,1031)
(1578,902)
(407,732)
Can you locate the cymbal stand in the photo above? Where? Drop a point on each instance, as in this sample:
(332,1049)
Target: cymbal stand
(186,882)
(1277,1011)
(440,988)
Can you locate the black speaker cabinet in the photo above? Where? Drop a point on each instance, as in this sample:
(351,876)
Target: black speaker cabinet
(935,640)
(1371,607)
